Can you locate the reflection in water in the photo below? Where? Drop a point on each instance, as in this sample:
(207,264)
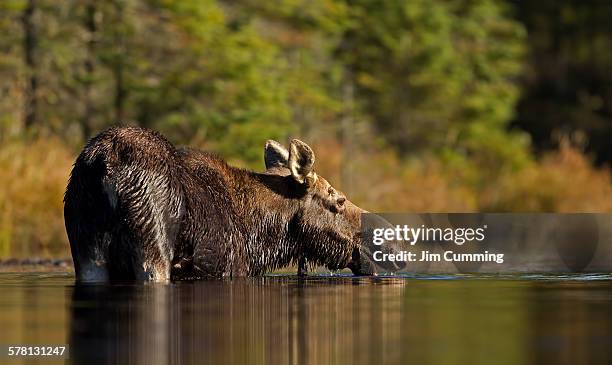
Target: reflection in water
(578,331)
(255,321)
(119,323)
(323,320)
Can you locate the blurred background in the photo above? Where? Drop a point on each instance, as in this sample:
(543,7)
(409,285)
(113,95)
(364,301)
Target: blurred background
(410,106)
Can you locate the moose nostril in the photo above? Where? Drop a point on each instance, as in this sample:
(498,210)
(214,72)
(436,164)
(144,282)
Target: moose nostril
(341,200)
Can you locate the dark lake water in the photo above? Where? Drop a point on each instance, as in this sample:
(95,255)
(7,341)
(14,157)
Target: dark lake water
(526,319)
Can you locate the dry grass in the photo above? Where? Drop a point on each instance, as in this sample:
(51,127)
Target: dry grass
(564,181)
(34,177)
(380,182)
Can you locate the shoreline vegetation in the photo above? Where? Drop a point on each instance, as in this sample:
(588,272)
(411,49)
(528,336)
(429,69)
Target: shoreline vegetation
(64,264)
(418,106)
(36,264)
(35,174)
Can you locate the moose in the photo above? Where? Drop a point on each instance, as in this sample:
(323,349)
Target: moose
(138,208)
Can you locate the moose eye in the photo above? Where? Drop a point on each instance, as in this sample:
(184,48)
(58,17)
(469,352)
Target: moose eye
(341,201)
(330,191)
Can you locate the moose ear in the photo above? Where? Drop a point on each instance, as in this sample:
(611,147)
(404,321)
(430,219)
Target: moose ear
(301,162)
(275,155)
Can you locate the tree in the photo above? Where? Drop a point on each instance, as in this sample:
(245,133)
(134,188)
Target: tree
(440,76)
(30,50)
(11,68)
(568,90)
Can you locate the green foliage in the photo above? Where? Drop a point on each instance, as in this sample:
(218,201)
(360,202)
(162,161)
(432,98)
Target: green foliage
(440,76)
(568,88)
(430,76)
(209,81)
(10,66)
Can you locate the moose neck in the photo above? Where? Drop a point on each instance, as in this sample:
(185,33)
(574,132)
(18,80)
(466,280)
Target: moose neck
(267,208)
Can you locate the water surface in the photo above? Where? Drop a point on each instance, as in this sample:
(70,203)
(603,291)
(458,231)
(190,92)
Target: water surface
(563,319)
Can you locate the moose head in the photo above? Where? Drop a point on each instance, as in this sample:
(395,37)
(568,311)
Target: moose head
(327,224)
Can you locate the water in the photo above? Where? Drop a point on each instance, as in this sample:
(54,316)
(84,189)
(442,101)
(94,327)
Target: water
(461,319)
